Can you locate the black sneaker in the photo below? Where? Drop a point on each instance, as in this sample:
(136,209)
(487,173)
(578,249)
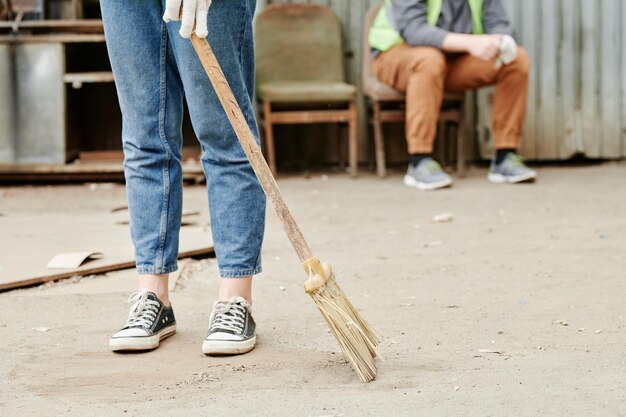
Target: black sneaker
(231,328)
(149,322)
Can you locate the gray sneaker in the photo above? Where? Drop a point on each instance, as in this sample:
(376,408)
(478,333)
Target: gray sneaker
(511,170)
(427,175)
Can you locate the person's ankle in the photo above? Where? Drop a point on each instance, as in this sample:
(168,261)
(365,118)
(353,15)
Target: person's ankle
(502,153)
(235,287)
(157,284)
(164,298)
(416,158)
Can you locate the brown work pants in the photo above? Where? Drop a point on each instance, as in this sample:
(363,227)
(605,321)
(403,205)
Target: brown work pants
(424,73)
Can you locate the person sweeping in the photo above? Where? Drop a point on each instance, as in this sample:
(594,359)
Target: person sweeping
(151,89)
(155,69)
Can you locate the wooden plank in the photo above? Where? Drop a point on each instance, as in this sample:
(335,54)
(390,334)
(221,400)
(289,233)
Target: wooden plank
(84,168)
(101,156)
(52,38)
(393,116)
(72,231)
(53,25)
(610,74)
(118,156)
(86,271)
(311,116)
(89,171)
(88,77)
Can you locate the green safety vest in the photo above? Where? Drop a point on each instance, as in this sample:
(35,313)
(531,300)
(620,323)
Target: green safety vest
(383,36)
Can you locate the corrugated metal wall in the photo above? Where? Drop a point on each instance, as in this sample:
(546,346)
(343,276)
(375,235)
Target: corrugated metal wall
(578,87)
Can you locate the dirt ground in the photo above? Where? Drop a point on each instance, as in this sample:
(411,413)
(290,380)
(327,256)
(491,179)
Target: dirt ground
(514,308)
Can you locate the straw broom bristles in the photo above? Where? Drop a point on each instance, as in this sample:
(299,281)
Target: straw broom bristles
(356,338)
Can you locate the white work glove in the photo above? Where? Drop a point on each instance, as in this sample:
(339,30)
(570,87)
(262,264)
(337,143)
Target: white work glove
(194,11)
(508,51)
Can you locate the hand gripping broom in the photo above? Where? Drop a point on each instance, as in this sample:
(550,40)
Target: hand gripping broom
(356,339)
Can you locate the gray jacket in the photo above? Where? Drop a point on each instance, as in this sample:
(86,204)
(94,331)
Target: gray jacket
(411,20)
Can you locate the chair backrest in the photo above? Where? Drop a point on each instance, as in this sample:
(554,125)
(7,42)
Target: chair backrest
(298,42)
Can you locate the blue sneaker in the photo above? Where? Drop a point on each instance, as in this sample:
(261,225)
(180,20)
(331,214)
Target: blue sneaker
(511,170)
(427,175)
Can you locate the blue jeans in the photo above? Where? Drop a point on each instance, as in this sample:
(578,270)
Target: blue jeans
(155,70)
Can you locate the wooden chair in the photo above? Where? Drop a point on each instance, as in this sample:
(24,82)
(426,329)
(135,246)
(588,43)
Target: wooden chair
(387,104)
(299,68)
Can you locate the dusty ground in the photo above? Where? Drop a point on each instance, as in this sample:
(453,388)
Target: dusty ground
(535,272)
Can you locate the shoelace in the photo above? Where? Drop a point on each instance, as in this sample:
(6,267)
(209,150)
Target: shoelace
(143,312)
(228,316)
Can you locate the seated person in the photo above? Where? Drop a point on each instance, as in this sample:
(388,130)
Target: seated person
(426,47)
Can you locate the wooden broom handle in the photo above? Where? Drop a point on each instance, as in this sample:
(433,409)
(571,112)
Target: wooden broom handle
(250,147)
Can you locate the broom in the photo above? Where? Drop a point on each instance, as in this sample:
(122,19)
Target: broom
(356,338)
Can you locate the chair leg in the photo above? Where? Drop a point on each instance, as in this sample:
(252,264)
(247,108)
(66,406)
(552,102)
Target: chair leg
(269,136)
(379,141)
(460,152)
(353,144)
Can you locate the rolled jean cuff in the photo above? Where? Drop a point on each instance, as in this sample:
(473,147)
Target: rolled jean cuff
(421,150)
(507,142)
(240,273)
(153,270)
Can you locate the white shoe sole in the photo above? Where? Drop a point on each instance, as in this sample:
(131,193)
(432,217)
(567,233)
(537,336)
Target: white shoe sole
(409,181)
(141,343)
(501,179)
(228,347)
